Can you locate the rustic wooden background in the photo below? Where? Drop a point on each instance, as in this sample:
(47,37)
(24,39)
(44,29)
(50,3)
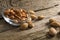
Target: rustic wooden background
(8,32)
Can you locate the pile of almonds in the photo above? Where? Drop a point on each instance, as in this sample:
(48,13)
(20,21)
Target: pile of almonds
(15,14)
(53,31)
(20,15)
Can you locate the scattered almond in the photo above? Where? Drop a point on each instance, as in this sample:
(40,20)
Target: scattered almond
(33,17)
(30,24)
(31,12)
(55,24)
(24,26)
(51,20)
(52,31)
(40,17)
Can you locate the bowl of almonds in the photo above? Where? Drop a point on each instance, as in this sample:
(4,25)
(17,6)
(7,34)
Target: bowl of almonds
(15,17)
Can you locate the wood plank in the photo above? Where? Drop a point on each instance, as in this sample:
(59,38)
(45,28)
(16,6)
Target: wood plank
(8,32)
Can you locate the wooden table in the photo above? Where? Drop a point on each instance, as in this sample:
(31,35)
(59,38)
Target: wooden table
(8,32)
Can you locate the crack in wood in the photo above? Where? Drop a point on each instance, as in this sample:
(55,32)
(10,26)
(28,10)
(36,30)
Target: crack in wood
(46,8)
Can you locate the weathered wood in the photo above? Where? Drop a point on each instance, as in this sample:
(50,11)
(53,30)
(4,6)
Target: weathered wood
(8,32)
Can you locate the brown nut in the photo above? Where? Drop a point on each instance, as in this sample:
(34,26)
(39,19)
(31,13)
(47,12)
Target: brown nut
(23,18)
(33,17)
(40,17)
(17,11)
(52,31)
(12,12)
(29,19)
(6,12)
(15,21)
(51,20)
(30,24)
(12,17)
(24,26)
(31,12)
(55,24)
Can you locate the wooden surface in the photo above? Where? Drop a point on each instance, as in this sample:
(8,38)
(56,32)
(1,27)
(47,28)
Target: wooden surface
(8,32)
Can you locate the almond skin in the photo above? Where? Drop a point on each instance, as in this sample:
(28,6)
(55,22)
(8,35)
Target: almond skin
(33,17)
(31,12)
(30,24)
(40,17)
(24,26)
(52,31)
(55,24)
(51,20)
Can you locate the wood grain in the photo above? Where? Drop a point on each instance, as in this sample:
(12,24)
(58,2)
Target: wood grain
(8,32)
